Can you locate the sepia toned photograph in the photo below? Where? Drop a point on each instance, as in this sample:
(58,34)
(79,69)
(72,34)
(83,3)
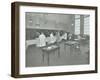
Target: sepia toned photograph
(57,39)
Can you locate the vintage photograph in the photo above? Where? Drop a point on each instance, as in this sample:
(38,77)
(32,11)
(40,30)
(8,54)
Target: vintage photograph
(54,39)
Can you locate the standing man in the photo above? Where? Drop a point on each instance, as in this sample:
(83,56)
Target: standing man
(41,40)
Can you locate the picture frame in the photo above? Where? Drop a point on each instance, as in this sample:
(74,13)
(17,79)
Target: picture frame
(22,24)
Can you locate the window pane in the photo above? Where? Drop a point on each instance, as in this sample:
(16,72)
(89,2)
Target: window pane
(86,25)
(77,24)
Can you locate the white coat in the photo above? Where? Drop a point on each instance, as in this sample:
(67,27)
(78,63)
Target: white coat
(41,41)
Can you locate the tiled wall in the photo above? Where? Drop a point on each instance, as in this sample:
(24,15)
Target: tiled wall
(49,22)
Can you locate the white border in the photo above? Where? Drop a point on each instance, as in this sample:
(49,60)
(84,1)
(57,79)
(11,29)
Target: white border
(69,68)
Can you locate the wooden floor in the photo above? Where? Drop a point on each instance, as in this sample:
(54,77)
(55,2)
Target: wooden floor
(68,56)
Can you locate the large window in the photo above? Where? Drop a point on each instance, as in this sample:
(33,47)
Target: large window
(86,24)
(77,24)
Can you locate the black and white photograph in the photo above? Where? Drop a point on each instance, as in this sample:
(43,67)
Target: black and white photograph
(57,39)
(51,39)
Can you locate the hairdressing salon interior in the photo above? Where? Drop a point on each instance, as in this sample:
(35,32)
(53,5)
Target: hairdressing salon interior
(56,39)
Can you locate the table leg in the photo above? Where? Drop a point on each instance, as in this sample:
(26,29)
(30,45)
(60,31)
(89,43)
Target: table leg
(58,52)
(71,50)
(79,49)
(48,59)
(43,56)
(64,47)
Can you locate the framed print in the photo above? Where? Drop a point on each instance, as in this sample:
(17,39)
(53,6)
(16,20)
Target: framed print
(53,39)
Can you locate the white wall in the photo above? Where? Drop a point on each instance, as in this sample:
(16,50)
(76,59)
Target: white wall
(5,40)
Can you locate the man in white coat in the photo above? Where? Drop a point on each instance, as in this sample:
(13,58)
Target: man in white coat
(64,36)
(41,41)
(52,38)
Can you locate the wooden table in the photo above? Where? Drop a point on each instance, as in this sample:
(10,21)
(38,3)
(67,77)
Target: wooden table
(50,49)
(72,44)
